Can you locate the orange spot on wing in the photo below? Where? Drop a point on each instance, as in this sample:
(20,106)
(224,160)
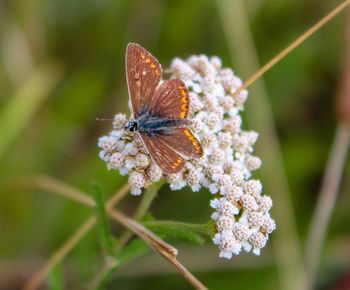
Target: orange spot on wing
(147,60)
(153,65)
(142,56)
(184,100)
(194,142)
(177,163)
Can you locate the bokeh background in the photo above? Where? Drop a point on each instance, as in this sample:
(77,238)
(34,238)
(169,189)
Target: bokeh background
(62,66)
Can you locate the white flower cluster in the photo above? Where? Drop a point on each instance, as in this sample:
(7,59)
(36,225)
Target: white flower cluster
(124,151)
(241,211)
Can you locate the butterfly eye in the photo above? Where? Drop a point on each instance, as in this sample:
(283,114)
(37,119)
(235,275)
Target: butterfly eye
(131,126)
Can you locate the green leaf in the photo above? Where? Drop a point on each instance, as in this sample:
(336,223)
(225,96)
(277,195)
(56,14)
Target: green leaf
(148,217)
(107,241)
(55,279)
(176,232)
(133,250)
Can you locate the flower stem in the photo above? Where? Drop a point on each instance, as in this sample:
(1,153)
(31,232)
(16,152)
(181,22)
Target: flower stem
(206,229)
(286,243)
(36,280)
(148,198)
(164,249)
(326,202)
(293,45)
(55,186)
(146,202)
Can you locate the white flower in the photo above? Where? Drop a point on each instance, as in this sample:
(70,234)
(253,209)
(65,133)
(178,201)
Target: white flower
(241,232)
(136,181)
(108,144)
(136,191)
(224,223)
(249,202)
(258,241)
(241,211)
(253,187)
(176,181)
(225,139)
(119,121)
(213,120)
(213,188)
(233,193)
(116,160)
(217,156)
(228,245)
(224,207)
(265,203)
(256,219)
(142,160)
(269,225)
(252,162)
(154,172)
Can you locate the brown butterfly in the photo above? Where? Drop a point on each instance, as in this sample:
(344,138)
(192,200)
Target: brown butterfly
(159,111)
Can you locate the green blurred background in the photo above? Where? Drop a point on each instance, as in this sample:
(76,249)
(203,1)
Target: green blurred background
(62,65)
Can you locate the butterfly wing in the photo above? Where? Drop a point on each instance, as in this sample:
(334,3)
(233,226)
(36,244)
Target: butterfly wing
(165,157)
(170,100)
(183,141)
(143,73)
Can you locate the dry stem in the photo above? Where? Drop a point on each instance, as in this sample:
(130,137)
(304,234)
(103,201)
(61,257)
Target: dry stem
(333,172)
(52,186)
(288,254)
(58,255)
(293,45)
(167,251)
(326,202)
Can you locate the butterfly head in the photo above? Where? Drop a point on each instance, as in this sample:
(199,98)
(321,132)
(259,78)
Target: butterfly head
(132,126)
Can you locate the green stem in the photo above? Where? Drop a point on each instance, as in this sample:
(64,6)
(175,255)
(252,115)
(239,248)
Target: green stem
(147,199)
(142,209)
(207,229)
(145,204)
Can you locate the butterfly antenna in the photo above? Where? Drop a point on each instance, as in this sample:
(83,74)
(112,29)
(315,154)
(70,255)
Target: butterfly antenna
(104,119)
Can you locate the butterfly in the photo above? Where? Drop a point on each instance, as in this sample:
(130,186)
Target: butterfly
(159,111)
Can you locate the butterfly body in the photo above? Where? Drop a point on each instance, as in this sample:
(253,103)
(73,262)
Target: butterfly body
(160,111)
(154,125)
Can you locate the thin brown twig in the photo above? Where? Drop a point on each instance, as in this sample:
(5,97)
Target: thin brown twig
(58,255)
(62,252)
(145,203)
(47,183)
(293,45)
(116,198)
(333,173)
(165,250)
(343,96)
(286,245)
(326,202)
(138,229)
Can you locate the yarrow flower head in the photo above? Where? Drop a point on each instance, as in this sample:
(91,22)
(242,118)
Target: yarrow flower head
(241,211)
